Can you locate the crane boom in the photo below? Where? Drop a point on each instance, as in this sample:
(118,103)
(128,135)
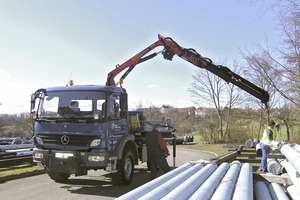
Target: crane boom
(171,48)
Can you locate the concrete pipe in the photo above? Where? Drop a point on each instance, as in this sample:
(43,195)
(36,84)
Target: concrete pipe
(255,140)
(191,138)
(258,150)
(188,187)
(171,184)
(292,155)
(142,190)
(206,190)
(244,185)
(225,189)
(261,191)
(293,174)
(273,166)
(180,139)
(292,190)
(281,162)
(249,143)
(297,147)
(277,192)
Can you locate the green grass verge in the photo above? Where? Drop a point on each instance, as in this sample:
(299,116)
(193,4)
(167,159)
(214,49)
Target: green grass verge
(15,171)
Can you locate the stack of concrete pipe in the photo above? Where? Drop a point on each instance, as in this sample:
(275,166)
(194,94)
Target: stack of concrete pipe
(269,191)
(199,181)
(292,167)
(207,181)
(184,139)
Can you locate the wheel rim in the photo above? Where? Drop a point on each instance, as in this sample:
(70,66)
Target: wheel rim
(128,168)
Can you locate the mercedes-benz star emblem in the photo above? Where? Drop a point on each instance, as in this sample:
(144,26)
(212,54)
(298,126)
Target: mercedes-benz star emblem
(65,139)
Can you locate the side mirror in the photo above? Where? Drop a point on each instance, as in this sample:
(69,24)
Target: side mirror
(32,115)
(32,102)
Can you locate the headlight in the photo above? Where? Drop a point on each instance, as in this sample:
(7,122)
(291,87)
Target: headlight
(38,155)
(95,142)
(38,140)
(96,158)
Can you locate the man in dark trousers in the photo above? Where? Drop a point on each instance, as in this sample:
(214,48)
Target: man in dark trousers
(157,151)
(267,143)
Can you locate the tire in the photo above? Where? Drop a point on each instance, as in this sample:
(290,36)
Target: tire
(125,169)
(59,177)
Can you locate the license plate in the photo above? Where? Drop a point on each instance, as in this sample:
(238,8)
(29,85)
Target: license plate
(63,155)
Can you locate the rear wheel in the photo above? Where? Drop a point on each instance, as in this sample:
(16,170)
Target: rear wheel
(125,169)
(59,177)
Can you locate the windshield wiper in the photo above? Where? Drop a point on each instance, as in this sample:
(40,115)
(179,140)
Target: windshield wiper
(46,119)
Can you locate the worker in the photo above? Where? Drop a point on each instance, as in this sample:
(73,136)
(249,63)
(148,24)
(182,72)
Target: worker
(157,151)
(267,143)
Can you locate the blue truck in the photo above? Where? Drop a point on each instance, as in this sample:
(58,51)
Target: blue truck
(89,127)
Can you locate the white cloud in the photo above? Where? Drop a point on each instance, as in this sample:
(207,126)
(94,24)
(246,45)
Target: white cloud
(4,75)
(151,86)
(15,94)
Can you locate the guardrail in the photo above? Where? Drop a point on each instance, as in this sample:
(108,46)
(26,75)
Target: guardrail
(11,155)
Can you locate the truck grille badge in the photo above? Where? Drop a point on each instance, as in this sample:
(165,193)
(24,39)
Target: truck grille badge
(65,139)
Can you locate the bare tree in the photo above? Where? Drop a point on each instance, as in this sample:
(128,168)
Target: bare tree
(214,91)
(281,62)
(278,67)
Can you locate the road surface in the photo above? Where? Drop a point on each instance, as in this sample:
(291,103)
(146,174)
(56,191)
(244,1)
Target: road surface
(95,185)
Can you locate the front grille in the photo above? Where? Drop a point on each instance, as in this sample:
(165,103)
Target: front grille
(74,140)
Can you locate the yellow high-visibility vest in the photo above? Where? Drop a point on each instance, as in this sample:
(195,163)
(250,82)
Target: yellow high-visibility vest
(265,138)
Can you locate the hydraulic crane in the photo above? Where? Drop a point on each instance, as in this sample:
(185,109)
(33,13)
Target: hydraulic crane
(171,48)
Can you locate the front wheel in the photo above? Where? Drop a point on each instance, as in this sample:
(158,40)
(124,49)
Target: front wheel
(59,177)
(125,169)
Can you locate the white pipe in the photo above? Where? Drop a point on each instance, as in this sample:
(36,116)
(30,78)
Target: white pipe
(293,174)
(169,185)
(188,187)
(261,191)
(244,186)
(249,143)
(225,189)
(258,150)
(293,192)
(281,162)
(297,147)
(273,166)
(206,190)
(292,155)
(147,187)
(276,192)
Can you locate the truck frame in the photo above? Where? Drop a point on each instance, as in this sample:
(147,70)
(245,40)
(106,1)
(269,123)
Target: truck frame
(88,127)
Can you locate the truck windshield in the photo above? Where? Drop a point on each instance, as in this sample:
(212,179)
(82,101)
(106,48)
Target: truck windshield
(75,105)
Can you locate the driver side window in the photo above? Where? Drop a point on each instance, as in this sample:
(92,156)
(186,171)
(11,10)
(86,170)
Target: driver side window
(113,106)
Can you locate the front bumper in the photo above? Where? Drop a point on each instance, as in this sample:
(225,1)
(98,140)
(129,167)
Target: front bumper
(71,162)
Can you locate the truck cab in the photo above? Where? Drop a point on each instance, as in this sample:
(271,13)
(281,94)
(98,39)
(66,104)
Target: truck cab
(78,128)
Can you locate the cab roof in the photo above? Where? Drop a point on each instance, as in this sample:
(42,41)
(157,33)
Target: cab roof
(86,88)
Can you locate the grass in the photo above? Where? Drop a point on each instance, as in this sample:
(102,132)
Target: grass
(14,171)
(219,149)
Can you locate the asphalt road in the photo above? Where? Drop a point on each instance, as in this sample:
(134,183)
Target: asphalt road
(95,185)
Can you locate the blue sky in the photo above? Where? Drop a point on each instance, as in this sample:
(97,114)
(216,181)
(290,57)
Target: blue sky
(43,43)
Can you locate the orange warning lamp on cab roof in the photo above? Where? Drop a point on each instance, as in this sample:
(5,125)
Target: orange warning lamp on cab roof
(71,82)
